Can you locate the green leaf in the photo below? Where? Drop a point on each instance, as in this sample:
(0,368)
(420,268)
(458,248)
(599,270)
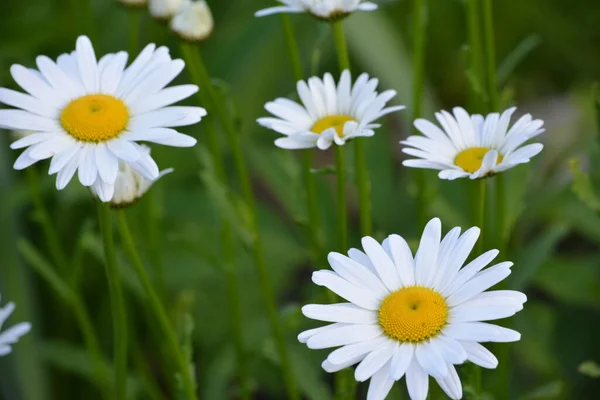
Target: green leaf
(516,57)
(582,186)
(589,368)
(551,390)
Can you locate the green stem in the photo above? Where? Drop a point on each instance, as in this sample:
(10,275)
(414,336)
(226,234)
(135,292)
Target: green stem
(292,46)
(218,160)
(157,307)
(217,107)
(135,18)
(117,303)
(418,69)
(490,55)
(341,45)
(475,53)
(342,201)
(50,233)
(480,216)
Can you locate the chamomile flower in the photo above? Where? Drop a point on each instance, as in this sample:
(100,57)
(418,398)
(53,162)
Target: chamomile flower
(88,115)
(412,316)
(163,10)
(329,113)
(193,21)
(471,145)
(12,334)
(129,187)
(330,10)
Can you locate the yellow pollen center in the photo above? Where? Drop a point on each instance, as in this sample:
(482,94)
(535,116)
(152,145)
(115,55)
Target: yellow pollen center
(471,159)
(334,121)
(95,118)
(413,314)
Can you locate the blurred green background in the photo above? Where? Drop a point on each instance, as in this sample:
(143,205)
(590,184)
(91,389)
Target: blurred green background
(548,56)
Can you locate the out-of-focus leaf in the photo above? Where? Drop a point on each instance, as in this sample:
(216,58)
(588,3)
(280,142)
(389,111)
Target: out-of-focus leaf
(536,323)
(532,256)
(589,368)
(516,57)
(549,391)
(582,186)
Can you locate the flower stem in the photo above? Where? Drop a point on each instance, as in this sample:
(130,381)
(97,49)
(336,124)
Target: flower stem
(228,247)
(480,213)
(475,53)
(217,107)
(490,55)
(135,19)
(50,233)
(157,307)
(313,231)
(363,182)
(342,201)
(117,303)
(419,27)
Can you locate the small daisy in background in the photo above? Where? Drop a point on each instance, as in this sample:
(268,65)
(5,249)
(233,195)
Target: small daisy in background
(330,10)
(471,145)
(412,316)
(88,115)
(12,334)
(329,113)
(130,185)
(163,10)
(193,21)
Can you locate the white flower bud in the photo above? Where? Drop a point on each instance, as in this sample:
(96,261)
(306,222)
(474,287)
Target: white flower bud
(193,21)
(129,187)
(164,9)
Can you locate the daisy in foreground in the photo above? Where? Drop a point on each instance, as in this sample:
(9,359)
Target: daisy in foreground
(329,113)
(330,10)
(412,316)
(12,334)
(471,145)
(87,114)
(130,185)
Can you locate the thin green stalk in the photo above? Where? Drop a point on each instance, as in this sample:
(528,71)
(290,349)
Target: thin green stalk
(117,303)
(490,56)
(233,137)
(345,385)
(50,233)
(157,307)
(233,285)
(419,25)
(480,213)
(135,19)
(342,201)
(363,182)
(475,53)
(313,231)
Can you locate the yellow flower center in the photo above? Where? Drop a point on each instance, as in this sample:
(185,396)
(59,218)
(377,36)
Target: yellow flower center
(95,118)
(471,159)
(413,314)
(334,121)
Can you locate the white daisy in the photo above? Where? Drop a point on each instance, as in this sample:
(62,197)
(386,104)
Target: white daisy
(164,9)
(88,115)
(12,334)
(193,21)
(472,146)
(328,114)
(412,316)
(130,185)
(330,10)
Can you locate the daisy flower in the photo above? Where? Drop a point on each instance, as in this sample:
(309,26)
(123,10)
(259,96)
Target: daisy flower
(471,145)
(329,113)
(88,115)
(193,21)
(163,10)
(12,334)
(412,316)
(130,185)
(330,10)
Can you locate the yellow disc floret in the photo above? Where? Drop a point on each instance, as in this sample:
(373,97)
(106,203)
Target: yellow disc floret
(95,118)
(334,121)
(413,314)
(470,160)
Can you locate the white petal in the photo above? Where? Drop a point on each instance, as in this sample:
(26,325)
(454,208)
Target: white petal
(383,263)
(124,150)
(164,136)
(27,103)
(403,259)
(356,351)
(469,271)
(163,98)
(481,332)
(357,295)
(450,349)
(357,274)
(431,360)
(374,361)
(380,385)
(479,355)
(344,312)
(450,384)
(482,281)
(88,67)
(401,360)
(87,166)
(107,164)
(426,257)
(343,335)
(417,381)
